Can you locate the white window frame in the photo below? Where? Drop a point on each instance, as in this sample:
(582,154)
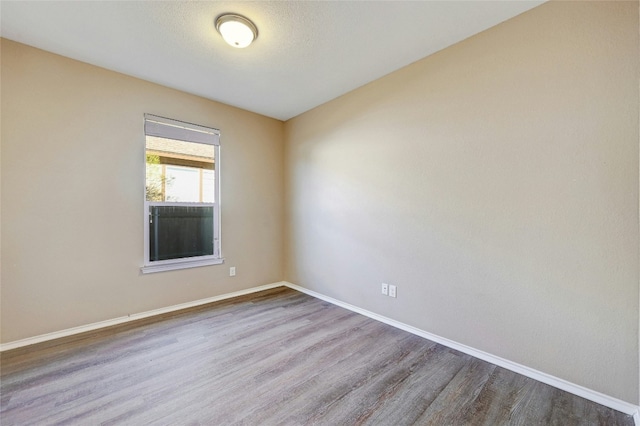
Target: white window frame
(174,129)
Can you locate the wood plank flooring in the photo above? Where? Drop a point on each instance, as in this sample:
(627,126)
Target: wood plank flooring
(276,357)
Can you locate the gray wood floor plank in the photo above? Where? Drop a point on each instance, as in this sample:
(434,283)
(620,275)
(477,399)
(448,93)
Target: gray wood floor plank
(452,404)
(357,405)
(276,357)
(426,381)
(501,400)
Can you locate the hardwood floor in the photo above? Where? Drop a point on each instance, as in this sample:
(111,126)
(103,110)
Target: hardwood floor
(276,357)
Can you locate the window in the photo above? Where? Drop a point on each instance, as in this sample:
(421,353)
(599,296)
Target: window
(181,205)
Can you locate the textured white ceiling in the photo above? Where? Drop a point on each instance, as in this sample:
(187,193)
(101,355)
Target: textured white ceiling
(306,54)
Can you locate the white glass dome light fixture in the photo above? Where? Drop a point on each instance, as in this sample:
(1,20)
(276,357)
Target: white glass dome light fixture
(236,30)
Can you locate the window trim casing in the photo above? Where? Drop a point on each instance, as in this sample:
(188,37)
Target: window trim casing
(188,132)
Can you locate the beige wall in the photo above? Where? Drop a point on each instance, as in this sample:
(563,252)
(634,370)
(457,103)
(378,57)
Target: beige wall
(72,195)
(496,184)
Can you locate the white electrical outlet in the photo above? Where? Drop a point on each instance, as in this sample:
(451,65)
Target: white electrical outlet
(232,271)
(385,289)
(393,291)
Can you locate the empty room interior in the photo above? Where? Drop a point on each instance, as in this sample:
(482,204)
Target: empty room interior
(385,213)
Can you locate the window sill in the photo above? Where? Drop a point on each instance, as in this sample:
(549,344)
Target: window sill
(149,269)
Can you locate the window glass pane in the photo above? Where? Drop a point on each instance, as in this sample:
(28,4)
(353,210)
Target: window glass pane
(179,171)
(182,184)
(208,186)
(177,231)
(154,183)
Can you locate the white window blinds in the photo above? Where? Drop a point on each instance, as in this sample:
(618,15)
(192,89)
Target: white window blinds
(180,130)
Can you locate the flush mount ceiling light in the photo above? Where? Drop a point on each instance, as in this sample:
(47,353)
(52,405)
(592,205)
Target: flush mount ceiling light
(236,30)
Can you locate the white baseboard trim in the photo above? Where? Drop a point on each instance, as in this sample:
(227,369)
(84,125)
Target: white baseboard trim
(600,398)
(131,317)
